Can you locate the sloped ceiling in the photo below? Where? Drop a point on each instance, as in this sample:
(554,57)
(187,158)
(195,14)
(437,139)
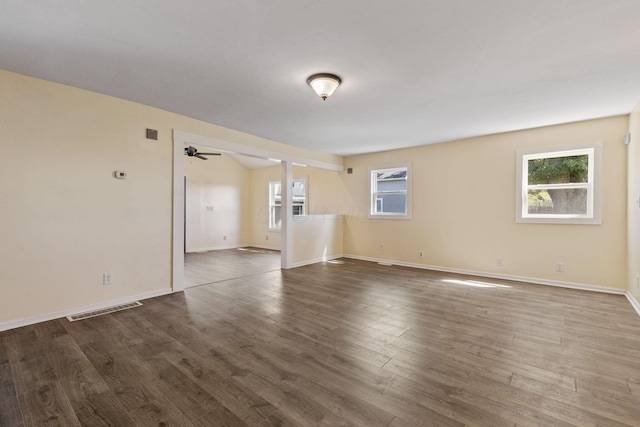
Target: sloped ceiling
(414,72)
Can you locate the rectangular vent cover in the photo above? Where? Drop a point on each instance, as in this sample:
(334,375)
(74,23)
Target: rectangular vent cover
(152,134)
(102,311)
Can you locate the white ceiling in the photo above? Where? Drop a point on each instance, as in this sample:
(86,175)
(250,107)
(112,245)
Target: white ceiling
(414,72)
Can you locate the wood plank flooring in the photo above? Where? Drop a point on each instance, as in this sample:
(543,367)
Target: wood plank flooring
(350,343)
(202,268)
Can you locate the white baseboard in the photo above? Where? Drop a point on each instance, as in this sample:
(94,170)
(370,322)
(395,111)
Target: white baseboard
(571,285)
(634,302)
(270,248)
(12,324)
(216,248)
(327,217)
(315,261)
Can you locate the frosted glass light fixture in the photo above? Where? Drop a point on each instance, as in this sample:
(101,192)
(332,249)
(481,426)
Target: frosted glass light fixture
(324,84)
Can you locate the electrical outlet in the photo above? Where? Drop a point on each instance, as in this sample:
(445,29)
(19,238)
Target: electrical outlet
(224,237)
(421,254)
(559,267)
(107,279)
(266,237)
(499,262)
(381,246)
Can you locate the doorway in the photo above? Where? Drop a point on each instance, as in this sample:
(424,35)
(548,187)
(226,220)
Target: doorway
(182,139)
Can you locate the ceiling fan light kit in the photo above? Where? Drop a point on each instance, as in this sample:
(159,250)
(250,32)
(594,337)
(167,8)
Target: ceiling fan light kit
(324,84)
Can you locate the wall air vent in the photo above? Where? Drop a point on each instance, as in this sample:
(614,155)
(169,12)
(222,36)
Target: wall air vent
(108,310)
(152,134)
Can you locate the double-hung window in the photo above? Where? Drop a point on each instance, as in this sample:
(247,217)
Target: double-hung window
(299,195)
(390,192)
(559,185)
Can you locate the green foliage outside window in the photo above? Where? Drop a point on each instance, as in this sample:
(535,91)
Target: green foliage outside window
(559,170)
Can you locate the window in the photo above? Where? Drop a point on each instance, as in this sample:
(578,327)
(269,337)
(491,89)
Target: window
(559,186)
(390,193)
(275,201)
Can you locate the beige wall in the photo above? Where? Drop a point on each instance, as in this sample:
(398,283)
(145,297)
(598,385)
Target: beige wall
(328,193)
(633,208)
(224,185)
(317,238)
(260,234)
(64,219)
(464,209)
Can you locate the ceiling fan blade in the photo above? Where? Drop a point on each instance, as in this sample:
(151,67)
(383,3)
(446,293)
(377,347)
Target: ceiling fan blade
(199,156)
(210,154)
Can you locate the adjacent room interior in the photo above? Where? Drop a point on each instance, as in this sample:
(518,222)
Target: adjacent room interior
(444,232)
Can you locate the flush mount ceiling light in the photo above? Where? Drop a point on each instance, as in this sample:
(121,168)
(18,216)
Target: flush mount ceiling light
(324,84)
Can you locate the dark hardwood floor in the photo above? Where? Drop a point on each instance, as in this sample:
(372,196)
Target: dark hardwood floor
(201,268)
(334,344)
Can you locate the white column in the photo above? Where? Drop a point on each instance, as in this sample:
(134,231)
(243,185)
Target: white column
(177,279)
(286,214)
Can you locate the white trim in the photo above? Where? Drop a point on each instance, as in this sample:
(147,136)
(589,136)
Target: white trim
(594,185)
(269,248)
(286,214)
(315,261)
(634,302)
(272,202)
(302,218)
(12,324)
(192,138)
(177,270)
(570,285)
(216,248)
(408,193)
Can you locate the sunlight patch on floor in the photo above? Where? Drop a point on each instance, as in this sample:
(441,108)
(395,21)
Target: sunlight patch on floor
(475,283)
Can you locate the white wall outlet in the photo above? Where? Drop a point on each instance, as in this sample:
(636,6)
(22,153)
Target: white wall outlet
(421,254)
(382,246)
(499,262)
(266,237)
(559,267)
(107,279)
(224,237)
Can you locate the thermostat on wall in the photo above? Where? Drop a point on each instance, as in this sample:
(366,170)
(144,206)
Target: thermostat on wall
(120,174)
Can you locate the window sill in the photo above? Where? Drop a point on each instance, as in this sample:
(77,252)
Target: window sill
(559,220)
(389,216)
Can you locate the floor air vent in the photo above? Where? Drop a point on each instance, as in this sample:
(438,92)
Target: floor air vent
(102,311)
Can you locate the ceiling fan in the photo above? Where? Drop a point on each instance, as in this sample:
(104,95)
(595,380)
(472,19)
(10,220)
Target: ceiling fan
(193,152)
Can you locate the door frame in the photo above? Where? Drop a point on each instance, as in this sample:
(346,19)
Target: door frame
(182,139)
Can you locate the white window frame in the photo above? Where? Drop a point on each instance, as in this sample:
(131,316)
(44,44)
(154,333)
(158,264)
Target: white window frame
(272,202)
(373,199)
(593,186)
